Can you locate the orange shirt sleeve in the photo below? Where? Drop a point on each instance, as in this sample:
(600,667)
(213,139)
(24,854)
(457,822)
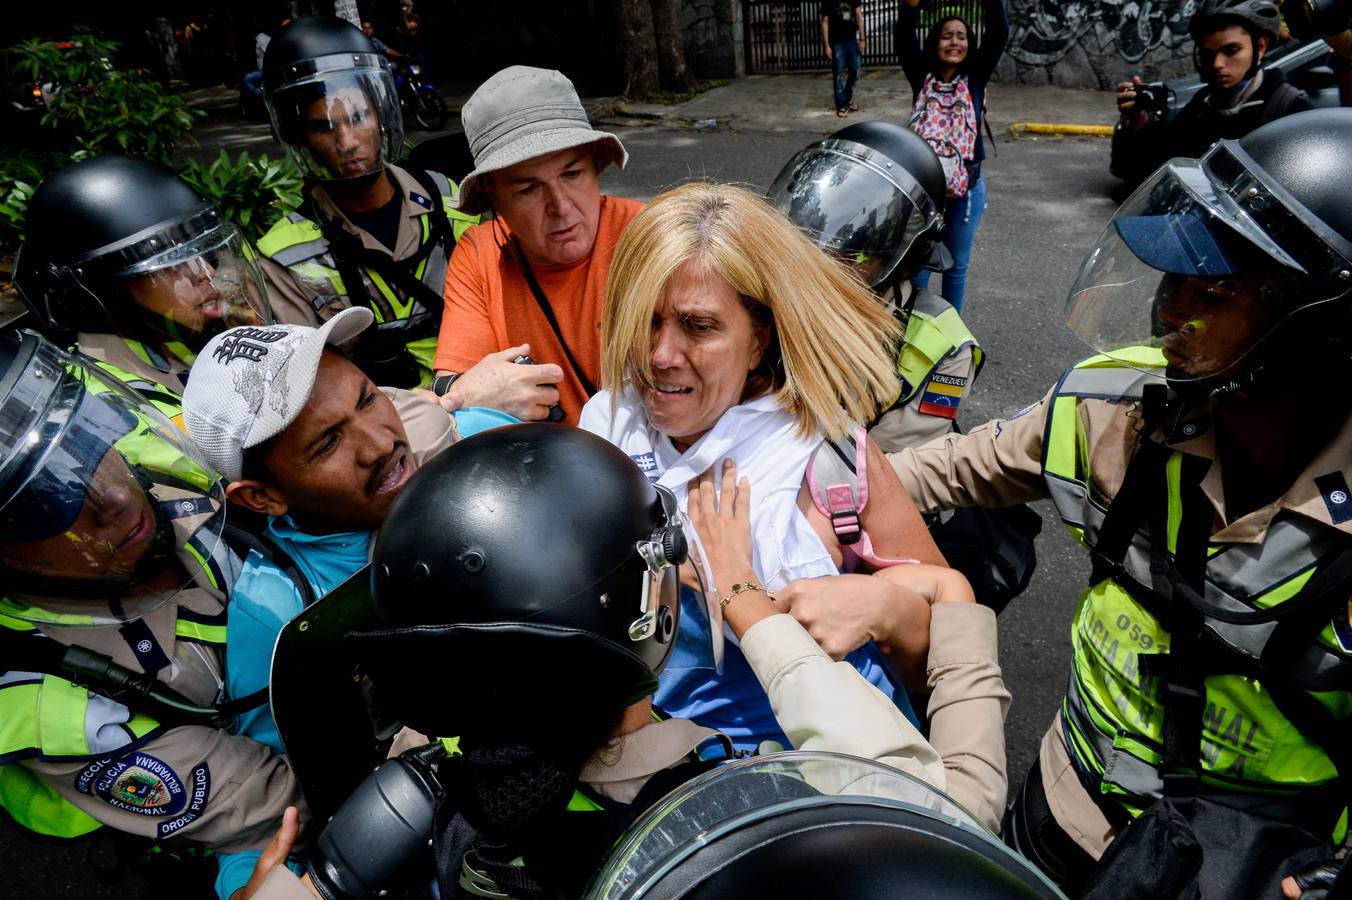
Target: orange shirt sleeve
(466,324)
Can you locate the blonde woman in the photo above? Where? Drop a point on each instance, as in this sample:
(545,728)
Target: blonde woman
(729,339)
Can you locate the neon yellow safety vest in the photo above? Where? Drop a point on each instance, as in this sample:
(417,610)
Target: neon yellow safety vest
(154,393)
(934,332)
(1112,715)
(46,717)
(298,243)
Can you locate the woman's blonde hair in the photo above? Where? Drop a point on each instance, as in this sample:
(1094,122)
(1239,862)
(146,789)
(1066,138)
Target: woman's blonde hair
(830,356)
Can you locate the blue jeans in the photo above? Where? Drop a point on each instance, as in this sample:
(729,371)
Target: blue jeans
(960,221)
(845,65)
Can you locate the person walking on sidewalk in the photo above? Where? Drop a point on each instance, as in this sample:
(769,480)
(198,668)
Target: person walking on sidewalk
(843,35)
(948,77)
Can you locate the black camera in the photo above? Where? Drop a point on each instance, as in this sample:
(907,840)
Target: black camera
(556,413)
(1316,18)
(1153,98)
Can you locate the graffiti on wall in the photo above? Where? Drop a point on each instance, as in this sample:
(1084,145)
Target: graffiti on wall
(1042,32)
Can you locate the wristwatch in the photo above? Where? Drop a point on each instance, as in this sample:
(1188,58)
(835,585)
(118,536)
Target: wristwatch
(442,383)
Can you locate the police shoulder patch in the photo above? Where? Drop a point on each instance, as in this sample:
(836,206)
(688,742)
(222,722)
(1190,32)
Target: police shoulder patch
(137,783)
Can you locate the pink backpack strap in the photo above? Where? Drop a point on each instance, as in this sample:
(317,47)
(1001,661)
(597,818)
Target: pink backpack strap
(837,478)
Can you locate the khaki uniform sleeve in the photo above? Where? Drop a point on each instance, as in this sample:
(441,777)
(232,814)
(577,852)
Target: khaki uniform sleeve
(908,426)
(197,783)
(826,705)
(291,303)
(967,708)
(283,884)
(429,427)
(996,464)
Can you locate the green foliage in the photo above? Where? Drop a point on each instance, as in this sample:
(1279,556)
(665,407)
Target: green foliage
(103,109)
(252,193)
(97,108)
(20,174)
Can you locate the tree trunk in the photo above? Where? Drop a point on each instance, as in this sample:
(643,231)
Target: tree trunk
(671,46)
(637,43)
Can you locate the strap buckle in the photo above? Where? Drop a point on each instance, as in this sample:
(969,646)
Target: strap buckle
(844,513)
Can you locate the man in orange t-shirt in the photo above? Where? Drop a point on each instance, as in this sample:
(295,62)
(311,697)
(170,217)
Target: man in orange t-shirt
(537,166)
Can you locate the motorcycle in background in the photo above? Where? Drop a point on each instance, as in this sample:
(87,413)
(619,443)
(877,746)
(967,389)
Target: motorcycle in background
(419,99)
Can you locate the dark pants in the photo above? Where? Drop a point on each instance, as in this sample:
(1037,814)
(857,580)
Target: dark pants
(1031,829)
(845,65)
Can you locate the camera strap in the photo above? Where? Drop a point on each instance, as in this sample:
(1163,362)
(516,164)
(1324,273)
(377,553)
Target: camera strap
(543,302)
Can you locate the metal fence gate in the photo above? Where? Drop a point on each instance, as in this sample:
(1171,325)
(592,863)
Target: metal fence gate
(786,35)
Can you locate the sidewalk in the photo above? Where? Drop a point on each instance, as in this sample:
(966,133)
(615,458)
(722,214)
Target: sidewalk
(801,101)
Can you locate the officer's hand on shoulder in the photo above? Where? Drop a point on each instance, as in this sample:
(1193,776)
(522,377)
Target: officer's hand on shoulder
(525,391)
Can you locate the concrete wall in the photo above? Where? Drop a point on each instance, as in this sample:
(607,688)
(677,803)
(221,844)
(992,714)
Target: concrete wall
(1096,43)
(714,45)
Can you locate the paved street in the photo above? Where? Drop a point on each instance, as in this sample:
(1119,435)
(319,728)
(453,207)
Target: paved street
(1048,199)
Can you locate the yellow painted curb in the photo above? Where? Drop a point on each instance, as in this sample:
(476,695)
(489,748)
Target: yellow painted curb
(1060,128)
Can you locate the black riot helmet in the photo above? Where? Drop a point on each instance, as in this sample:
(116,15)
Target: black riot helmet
(533,568)
(1233,264)
(124,246)
(873,194)
(332,99)
(785,825)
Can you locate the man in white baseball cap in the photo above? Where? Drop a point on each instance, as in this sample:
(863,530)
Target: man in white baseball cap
(304,439)
(532,281)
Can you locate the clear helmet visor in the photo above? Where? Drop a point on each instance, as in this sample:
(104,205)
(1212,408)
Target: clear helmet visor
(338,116)
(855,204)
(695,818)
(1196,272)
(106,509)
(198,287)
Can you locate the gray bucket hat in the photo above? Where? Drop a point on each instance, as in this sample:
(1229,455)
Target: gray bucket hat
(522,113)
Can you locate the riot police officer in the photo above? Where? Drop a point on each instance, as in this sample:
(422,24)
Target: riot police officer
(369,233)
(112,624)
(873,195)
(1201,461)
(532,569)
(126,259)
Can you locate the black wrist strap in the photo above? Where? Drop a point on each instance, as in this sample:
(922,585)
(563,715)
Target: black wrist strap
(548,310)
(442,383)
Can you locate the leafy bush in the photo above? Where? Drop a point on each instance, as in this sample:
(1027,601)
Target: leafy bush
(97,108)
(101,108)
(252,193)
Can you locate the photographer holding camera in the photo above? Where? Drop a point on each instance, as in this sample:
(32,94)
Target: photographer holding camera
(1230,39)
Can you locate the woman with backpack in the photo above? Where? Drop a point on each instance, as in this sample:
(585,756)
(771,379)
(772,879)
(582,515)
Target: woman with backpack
(948,76)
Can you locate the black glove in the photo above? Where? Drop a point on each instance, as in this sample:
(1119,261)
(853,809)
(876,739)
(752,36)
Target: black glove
(1316,879)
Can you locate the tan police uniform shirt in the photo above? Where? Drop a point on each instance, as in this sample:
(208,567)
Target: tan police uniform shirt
(909,425)
(1000,464)
(194,781)
(297,300)
(112,349)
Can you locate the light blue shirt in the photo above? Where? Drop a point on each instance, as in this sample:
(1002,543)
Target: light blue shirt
(734,702)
